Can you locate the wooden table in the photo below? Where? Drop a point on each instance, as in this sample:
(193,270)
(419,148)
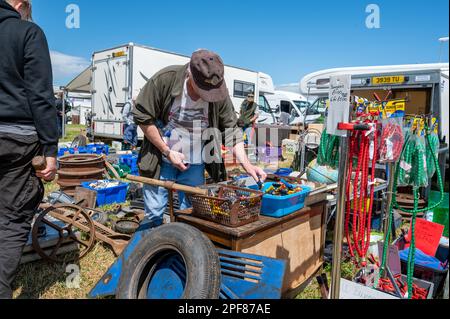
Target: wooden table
(298,238)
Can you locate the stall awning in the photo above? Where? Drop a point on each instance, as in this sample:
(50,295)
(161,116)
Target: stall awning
(82,83)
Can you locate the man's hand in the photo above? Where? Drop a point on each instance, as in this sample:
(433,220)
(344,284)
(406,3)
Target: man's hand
(49,173)
(177,159)
(256,172)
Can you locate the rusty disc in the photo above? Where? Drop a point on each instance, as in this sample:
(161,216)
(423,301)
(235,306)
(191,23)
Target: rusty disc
(73,225)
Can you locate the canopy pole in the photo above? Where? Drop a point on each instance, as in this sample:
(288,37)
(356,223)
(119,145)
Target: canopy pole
(339,224)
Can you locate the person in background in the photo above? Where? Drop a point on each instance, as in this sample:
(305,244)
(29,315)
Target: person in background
(285,113)
(28,128)
(130,138)
(61,109)
(174,106)
(248,116)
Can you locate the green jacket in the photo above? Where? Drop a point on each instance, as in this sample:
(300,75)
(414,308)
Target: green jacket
(247,112)
(154,103)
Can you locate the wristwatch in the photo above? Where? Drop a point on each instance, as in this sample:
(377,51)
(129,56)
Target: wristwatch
(166,153)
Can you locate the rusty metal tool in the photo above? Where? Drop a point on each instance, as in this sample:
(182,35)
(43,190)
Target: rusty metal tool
(39,163)
(169,185)
(117,241)
(74,226)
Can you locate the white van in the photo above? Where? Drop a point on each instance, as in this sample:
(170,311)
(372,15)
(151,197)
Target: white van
(294,104)
(119,73)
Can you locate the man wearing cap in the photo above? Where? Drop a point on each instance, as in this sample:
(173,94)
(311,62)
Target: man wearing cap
(185,112)
(248,115)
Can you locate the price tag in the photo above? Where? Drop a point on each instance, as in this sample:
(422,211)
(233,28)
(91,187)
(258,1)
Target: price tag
(428,236)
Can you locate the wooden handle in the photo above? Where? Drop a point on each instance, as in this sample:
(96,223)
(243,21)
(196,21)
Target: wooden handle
(39,163)
(168,185)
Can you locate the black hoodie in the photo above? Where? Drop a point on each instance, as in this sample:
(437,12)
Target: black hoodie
(26,88)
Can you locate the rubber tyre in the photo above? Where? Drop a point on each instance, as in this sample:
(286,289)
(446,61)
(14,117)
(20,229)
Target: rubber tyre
(100,217)
(201,260)
(79,141)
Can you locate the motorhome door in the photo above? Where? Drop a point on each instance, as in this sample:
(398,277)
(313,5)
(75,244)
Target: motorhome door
(111,88)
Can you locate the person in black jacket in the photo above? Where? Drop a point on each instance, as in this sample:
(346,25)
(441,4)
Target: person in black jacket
(27,128)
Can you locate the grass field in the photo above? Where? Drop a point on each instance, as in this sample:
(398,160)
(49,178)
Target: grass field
(72,131)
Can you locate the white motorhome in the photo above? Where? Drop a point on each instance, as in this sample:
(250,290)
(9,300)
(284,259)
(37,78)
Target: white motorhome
(120,73)
(424,85)
(81,105)
(293,103)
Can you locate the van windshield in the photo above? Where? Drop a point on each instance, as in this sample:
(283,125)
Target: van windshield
(302,104)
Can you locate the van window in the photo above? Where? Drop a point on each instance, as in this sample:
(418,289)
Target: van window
(285,106)
(242,89)
(263,104)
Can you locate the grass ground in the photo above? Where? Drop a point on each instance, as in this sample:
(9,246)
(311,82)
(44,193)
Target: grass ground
(41,280)
(72,131)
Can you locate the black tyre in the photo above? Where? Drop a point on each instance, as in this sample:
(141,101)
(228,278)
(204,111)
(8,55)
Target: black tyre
(178,247)
(100,217)
(79,141)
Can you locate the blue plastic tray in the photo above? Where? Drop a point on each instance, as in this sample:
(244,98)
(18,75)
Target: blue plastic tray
(280,206)
(112,195)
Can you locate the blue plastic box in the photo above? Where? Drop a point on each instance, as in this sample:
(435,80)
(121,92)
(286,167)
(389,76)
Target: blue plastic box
(131,161)
(98,149)
(112,195)
(280,206)
(284,172)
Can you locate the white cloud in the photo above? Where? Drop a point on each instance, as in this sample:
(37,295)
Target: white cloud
(67,66)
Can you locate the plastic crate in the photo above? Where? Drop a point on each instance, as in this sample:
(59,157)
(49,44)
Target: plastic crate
(98,149)
(62,151)
(429,286)
(223,210)
(280,206)
(435,276)
(131,161)
(111,195)
(83,150)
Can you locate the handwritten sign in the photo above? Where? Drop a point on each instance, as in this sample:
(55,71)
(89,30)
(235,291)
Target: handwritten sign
(353,290)
(394,262)
(428,236)
(339,110)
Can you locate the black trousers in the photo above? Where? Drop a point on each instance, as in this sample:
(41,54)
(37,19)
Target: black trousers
(20,195)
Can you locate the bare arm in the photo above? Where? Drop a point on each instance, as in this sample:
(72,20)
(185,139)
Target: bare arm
(254,118)
(151,132)
(256,172)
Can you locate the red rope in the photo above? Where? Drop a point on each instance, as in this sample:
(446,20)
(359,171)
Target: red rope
(359,239)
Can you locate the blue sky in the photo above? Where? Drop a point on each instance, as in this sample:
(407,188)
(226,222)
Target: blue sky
(286,39)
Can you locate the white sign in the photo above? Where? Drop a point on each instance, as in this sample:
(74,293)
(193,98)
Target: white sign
(339,110)
(423,78)
(353,290)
